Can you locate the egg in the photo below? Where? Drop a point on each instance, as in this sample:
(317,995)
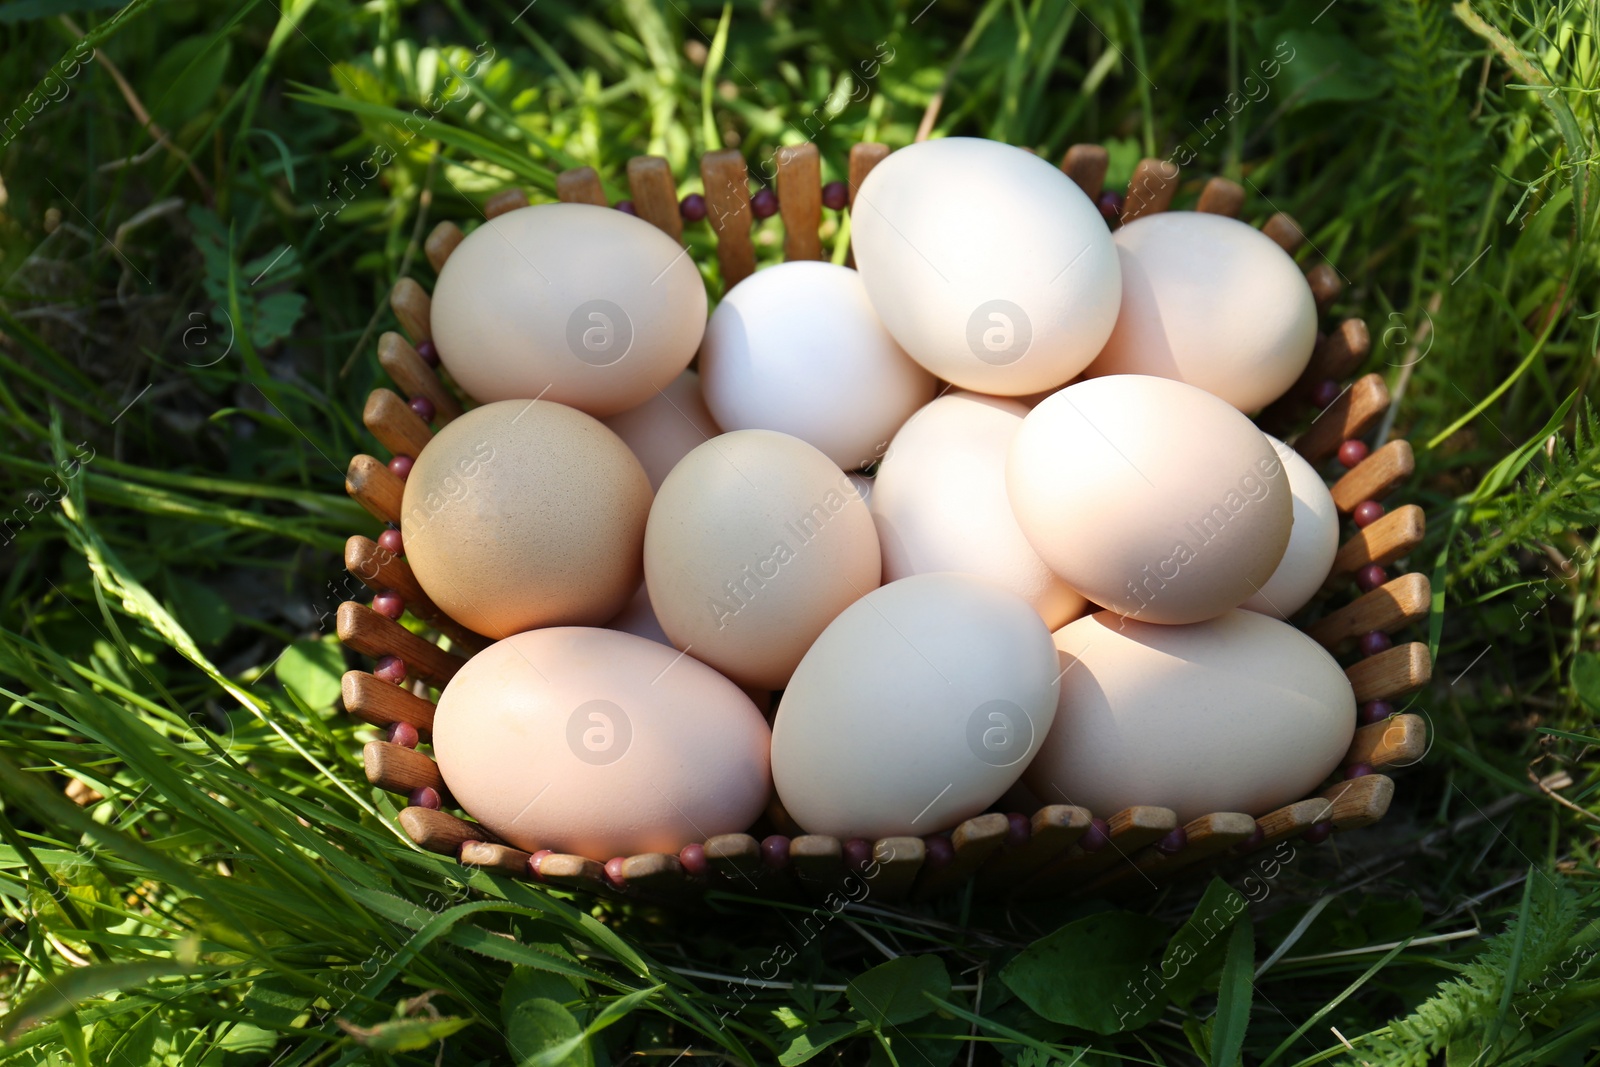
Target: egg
(939,501)
(526,513)
(755,542)
(1237,713)
(573,303)
(1313,540)
(989,266)
(916,708)
(1213,302)
(666,427)
(1150,497)
(601,744)
(797,348)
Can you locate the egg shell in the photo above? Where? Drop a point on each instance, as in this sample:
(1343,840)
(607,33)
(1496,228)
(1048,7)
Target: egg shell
(526,513)
(1211,301)
(665,428)
(574,303)
(639,618)
(916,708)
(940,504)
(1237,713)
(797,348)
(1313,541)
(989,266)
(755,542)
(600,744)
(1150,497)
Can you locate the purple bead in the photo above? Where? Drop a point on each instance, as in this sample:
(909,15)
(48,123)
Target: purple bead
(428,352)
(835,196)
(1370,577)
(764,203)
(401,466)
(693,858)
(423,407)
(391,542)
(1019,828)
(536,861)
(627,208)
(404,734)
(857,853)
(692,207)
(1375,642)
(426,797)
(1358,770)
(1326,392)
(775,851)
(1375,711)
(614,871)
(1367,512)
(1110,205)
(1096,837)
(1173,841)
(1318,833)
(1257,837)
(389,604)
(1352,452)
(940,851)
(391,669)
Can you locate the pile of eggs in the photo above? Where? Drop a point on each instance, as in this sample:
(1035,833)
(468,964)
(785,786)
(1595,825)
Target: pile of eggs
(982,522)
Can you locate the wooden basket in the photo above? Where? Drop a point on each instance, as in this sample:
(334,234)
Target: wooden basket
(1060,849)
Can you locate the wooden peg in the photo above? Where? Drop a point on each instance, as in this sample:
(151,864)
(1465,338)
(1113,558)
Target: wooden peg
(399,769)
(415,378)
(380,704)
(1375,477)
(438,831)
(380,569)
(736,858)
(1207,836)
(502,858)
(863,157)
(1151,189)
(1055,828)
(504,201)
(1131,829)
(818,862)
(727,195)
(974,841)
(800,200)
(1335,357)
(1221,197)
(1349,417)
(1284,230)
(897,861)
(655,194)
(1396,672)
(373,635)
(657,874)
(394,424)
(1291,820)
(375,487)
(1399,741)
(443,240)
(1086,164)
(1326,285)
(580,185)
(414,308)
(1359,801)
(1388,609)
(1385,541)
(575,872)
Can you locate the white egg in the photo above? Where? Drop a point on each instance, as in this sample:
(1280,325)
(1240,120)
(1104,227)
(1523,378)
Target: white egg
(666,427)
(989,266)
(1313,541)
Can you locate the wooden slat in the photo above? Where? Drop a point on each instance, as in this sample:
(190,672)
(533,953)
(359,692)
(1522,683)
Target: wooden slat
(1131,829)
(1326,285)
(1388,609)
(1396,742)
(1352,415)
(442,241)
(737,859)
(1390,674)
(974,841)
(380,569)
(1391,537)
(657,874)
(375,487)
(394,424)
(504,201)
(897,861)
(1086,164)
(1208,835)
(580,185)
(727,195)
(1284,230)
(502,858)
(818,862)
(800,200)
(863,157)
(575,872)
(1359,802)
(438,831)
(1055,828)
(415,378)
(655,195)
(1151,189)
(399,769)
(373,635)
(1335,357)
(1374,477)
(1291,820)
(1221,197)
(381,704)
(414,308)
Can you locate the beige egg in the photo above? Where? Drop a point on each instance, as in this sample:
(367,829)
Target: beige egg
(917,708)
(639,618)
(574,303)
(665,428)
(526,513)
(601,744)
(939,501)
(1210,301)
(755,542)
(1313,541)
(1237,713)
(1150,497)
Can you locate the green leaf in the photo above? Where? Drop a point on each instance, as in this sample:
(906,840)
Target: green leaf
(70,988)
(1322,66)
(186,80)
(404,1035)
(198,609)
(275,317)
(1233,998)
(312,670)
(23,10)
(1194,955)
(1586,680)
(807,1043)
(1092,973)
(531,983)
(537,1027)
(274,1002)
(892,993)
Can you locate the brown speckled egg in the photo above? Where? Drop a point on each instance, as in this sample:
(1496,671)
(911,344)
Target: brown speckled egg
(523,514)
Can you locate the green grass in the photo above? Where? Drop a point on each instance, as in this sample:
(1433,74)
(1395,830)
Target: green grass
(186,336)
